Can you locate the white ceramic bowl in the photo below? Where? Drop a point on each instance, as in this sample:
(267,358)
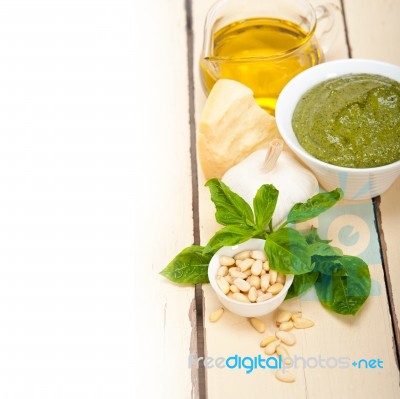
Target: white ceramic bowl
(240,308)
(356,183)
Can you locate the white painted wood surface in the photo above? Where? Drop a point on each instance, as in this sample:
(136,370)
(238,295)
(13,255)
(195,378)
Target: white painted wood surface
(95,199)
(369,335)
(381,41)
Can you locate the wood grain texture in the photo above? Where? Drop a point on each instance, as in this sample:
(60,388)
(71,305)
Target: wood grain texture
(369,335)
(381,41)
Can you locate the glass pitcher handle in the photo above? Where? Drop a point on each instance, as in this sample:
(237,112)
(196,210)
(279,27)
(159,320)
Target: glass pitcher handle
(327,24)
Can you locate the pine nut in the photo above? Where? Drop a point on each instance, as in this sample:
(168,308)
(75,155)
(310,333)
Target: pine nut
(256,268)
(215,316)
(281,278)
(257,324)
(259,255)
(275,289)
(242,255)
(226,261)
(299,322)
(265,278)
(286,326)
(246,264)
(281,351)
(266,341)
(271,347)
(273,274)
(282,316)
(266,266)
(229,279)
(223,284)
(286,337)
(234,289)
(222,271)
(297,314)
(238,296)
(254,281)
(263,272)
(284,376)
(264,297)
(252,294)
(243,285)
(247,273)
(237,274)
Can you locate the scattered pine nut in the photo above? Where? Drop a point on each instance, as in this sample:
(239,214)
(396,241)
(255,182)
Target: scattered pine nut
(286,326)
(266,341)
(216,315)
(282,316)
(281,351)
(270,349)
(297,314)
(284,376)
(286,337)
(299,322)
(257,324)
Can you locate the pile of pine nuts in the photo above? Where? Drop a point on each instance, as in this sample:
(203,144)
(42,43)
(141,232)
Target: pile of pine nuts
(247,277)
(276,344)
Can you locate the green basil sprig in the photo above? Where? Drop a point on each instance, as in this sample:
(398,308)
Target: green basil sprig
(342,282)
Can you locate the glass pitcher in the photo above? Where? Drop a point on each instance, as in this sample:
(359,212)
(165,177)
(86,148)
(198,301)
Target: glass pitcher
(264,43)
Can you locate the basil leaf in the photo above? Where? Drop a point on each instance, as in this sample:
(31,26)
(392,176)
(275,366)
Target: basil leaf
(231,209)
(313,237)
(287,251)
(345,294)
(302,283)
(264,205)
(324,249)
(229,235)
(329,264)
(314,206)
(189,267)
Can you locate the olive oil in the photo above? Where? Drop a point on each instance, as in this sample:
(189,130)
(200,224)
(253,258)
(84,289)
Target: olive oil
(263,54)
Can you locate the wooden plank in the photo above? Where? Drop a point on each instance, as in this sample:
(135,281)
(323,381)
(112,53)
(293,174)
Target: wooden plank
(380,42)
(333,335)
(95,199)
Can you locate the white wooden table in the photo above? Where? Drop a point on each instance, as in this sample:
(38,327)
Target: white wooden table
(100,188)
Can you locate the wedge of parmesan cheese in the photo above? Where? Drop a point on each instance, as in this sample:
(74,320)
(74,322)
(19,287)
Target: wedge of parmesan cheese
(232,126)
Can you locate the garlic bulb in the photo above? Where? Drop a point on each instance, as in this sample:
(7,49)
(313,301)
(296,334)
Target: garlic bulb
(272,166)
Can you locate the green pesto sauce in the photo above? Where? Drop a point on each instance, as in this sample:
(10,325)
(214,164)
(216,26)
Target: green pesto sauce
(351,121)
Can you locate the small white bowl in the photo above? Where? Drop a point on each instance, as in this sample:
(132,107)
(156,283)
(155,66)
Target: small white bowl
(241,308)
(357,183)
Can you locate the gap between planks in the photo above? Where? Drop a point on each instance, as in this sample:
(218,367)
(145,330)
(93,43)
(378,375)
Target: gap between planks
(199,386)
